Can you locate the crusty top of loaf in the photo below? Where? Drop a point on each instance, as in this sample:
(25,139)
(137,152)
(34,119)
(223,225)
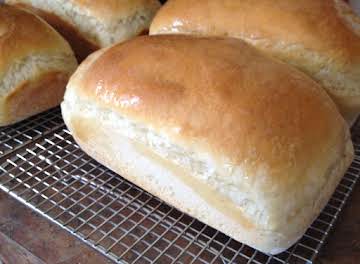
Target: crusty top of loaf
(23,34)
(320,37)
(316,24)
(218,95)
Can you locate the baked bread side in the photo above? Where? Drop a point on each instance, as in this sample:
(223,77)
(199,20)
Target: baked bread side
(89,25)
(35,65)
(246,144)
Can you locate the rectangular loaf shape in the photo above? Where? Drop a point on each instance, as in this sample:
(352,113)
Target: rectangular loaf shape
(245,144)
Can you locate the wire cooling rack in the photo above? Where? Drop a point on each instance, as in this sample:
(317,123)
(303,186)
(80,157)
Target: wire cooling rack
(17,136)
(41,166)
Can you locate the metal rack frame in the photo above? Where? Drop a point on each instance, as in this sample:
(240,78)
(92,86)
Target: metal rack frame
(42,167)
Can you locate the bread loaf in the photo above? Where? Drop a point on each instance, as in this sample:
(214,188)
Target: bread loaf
(246,144)
(35,65)
(92,24)
(321,38)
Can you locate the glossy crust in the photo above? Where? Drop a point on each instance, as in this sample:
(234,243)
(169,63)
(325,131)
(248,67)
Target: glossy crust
(80,45)
(322,38)
(17,28)
(149,107)
(26,89)
(33,97)
(106,16)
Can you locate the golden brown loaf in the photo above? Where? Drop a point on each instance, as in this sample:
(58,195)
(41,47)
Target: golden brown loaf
(35,65)
(92,24)
(322,37)
(245,144)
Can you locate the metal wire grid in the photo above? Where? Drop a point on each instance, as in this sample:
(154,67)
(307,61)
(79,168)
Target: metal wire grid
(55,178)
(16,136)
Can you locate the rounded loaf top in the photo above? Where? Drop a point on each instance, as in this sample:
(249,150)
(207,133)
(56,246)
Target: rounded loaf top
(218,95)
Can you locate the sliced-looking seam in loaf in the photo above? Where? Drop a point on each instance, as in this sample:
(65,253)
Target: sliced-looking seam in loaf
(32,66)
(200,166)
